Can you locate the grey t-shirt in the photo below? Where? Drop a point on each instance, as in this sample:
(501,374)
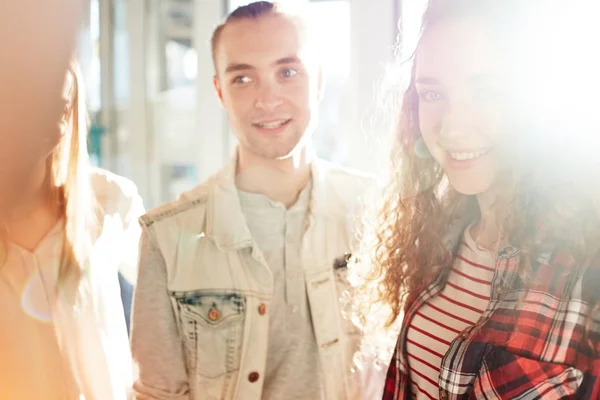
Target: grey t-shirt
(293,370)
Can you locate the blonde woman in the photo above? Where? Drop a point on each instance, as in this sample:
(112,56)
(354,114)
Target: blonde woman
(67,230)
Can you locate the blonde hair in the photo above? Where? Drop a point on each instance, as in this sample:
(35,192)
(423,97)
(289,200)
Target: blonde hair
(69,178)
(68,182)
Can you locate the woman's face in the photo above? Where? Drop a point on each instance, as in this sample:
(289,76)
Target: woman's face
(22,154)
(459,83)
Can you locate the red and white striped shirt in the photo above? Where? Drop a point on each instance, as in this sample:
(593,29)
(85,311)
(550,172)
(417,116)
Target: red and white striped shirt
(437,323)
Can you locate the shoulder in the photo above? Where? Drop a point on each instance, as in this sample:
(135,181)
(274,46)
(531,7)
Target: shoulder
(346,189)
(116,194)
(119,206)
(107,185)
(345,181)
(344,174)
(192,200)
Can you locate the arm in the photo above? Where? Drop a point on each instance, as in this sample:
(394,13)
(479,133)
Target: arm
(131,226)
(590,387)
(155,340)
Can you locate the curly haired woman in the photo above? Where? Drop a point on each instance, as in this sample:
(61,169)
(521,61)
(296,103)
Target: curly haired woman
(488,244)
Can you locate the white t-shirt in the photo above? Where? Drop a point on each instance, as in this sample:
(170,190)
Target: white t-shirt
(438,322)
(51,348)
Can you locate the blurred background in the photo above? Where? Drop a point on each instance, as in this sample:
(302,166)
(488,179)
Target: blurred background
(155,117)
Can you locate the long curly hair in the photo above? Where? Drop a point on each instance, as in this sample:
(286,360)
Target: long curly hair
(404,245)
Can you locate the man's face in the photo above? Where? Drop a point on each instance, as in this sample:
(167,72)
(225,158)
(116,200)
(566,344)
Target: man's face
(267,84)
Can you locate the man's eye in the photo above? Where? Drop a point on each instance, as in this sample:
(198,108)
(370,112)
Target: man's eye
(289,72)
(242,79)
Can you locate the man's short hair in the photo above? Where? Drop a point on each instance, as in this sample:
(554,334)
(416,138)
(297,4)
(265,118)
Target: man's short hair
(251,11)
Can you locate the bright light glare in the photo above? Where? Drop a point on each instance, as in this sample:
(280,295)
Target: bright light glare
(190,64)
(330,22)
(561,74)
(33,300)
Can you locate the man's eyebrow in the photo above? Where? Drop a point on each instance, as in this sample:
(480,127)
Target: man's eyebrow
(238,67)
(288,60)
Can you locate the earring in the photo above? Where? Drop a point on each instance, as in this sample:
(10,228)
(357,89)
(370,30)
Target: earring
(421,149)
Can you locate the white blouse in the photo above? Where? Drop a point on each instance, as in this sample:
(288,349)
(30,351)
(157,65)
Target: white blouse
(60,347)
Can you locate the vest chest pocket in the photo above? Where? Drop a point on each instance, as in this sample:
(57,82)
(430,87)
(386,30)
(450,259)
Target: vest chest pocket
(212,328)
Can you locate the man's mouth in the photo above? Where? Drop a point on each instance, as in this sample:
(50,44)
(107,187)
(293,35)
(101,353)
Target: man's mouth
(273,124)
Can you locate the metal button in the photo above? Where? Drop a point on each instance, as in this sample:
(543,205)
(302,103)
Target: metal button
(464,334)
(214,314)
(262,309)
(443,394)
(500,290)
(507,252)
(253,377)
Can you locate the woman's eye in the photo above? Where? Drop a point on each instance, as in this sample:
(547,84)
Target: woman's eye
(431,95)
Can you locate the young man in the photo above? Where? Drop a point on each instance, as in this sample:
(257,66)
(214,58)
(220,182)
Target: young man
(237,294)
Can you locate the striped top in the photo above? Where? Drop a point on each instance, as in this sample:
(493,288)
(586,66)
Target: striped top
(437,323)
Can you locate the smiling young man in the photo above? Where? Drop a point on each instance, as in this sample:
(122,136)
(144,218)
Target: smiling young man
(237,294)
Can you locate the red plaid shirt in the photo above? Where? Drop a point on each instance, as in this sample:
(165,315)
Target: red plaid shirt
(528,344)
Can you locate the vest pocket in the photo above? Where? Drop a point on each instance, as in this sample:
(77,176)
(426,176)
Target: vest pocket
(211,326)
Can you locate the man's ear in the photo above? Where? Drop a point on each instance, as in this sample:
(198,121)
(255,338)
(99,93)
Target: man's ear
(218,91)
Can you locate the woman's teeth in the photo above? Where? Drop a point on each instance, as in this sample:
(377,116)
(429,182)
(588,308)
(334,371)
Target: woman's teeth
(468,155)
